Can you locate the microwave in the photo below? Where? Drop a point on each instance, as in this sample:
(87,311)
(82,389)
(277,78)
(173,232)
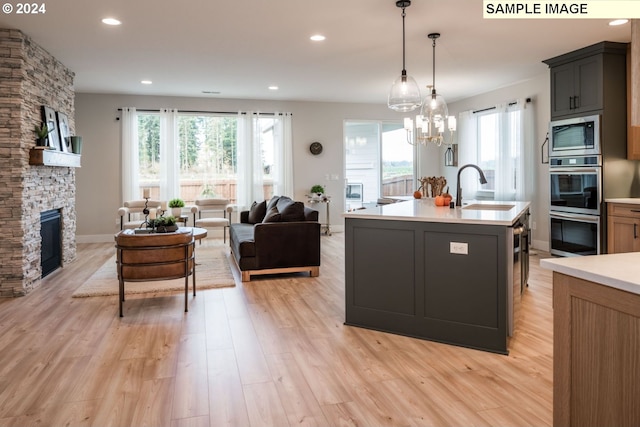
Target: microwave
(575,136)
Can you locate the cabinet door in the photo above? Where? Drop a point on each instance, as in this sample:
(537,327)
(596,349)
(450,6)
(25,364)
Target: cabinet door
(562,90)
(623,234)
(576,87)
(588,84)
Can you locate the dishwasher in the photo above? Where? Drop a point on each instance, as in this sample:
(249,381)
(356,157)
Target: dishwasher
(519,269)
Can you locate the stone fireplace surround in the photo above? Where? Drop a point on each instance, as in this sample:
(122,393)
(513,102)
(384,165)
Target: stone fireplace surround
(30,78)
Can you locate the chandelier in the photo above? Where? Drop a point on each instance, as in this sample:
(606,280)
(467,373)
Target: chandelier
(404,95)
(434,119)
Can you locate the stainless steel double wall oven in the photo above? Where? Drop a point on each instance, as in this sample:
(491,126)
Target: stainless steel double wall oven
(575,177)
(584,170)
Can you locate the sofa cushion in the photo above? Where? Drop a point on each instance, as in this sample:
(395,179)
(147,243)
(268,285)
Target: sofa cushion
(241,237)
(257,212)
(273,215)
(293,211)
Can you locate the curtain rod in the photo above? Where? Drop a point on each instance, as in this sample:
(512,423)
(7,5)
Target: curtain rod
(493,108)
(203,112)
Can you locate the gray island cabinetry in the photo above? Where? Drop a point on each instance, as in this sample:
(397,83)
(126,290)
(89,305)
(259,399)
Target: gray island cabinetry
(436,273)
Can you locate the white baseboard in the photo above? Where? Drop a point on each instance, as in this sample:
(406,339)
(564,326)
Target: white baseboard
(541,245)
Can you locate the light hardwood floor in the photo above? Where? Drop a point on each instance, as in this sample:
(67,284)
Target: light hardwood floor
(270,352)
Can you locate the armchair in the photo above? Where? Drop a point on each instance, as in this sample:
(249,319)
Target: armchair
(161,256)
(131,215)
(212,207)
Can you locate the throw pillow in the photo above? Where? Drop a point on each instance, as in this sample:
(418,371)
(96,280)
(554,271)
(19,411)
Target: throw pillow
(257,212)
(272,215)
(293,211)
(272,202)
(283,202)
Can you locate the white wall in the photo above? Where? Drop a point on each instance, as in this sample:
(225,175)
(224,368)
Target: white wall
(538,90)
(99,184)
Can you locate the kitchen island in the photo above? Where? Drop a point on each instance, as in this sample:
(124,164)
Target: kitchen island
(596,339)
(437,273)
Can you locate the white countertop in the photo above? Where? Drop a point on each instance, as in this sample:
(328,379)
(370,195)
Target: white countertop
(620,271)
(629,201)
(425,210)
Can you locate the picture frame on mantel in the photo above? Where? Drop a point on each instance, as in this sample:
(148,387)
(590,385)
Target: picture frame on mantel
(65,135)
(49,117)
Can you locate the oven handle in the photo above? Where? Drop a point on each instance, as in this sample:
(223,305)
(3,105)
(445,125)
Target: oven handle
(583,218)
(578,170)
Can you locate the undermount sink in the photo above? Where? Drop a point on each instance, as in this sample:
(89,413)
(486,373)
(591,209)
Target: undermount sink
(488,207)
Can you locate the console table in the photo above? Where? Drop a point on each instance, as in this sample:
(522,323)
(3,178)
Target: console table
(327,225)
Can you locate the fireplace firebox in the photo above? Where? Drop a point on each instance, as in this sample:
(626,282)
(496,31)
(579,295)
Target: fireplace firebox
(51,252)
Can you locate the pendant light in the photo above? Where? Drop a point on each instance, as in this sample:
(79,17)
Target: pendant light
(434,118)
(405,93)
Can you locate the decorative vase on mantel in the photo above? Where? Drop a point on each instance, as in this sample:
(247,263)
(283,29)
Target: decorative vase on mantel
(76,144)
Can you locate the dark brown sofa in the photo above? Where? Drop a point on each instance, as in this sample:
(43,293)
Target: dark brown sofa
(278,236)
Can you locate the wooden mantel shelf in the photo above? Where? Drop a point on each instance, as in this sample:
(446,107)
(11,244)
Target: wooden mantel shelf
(39,157)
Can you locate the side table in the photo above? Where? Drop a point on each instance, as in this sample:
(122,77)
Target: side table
(327,225)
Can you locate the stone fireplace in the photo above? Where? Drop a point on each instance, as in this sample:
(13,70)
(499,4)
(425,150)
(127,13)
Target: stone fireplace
(31,77)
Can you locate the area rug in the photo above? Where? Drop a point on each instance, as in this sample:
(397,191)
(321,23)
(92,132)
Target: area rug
(212,271)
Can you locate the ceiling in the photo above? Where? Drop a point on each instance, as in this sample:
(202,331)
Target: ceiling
(240,48)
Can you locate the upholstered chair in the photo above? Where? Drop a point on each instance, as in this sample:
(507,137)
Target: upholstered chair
(212,213)
(157,256)
(131,215)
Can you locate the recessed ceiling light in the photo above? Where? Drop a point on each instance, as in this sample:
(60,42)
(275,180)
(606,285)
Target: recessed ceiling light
(111,21)
(273,88)
(146,82)
(317,37)
(618,22)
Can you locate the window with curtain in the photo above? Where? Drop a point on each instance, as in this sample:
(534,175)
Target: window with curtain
(500,141)
(195,155)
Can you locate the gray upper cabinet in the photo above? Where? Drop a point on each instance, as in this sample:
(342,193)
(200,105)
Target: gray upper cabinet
(582,80)
(576,87)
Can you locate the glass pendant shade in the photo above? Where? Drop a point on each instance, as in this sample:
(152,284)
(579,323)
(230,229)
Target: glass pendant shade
(404,94)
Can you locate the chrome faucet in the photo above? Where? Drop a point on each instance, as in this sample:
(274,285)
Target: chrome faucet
(483,180)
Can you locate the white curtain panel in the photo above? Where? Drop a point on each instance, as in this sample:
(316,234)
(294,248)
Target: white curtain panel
(250,181)
(467,152)
(526,160)
(169,157)
(130,163)
(250,186)
(515,156)
(283,156)
(505,149)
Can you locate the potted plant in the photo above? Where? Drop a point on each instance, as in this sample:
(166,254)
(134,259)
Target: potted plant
(42,132)
(317,191)
(176,206)
(164,224)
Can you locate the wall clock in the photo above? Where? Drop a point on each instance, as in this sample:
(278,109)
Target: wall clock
(315,148)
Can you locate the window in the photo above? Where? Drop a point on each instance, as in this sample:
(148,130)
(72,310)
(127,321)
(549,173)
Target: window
(206,155)
(498,142)
(194,155)
(495,141)
(378,162)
